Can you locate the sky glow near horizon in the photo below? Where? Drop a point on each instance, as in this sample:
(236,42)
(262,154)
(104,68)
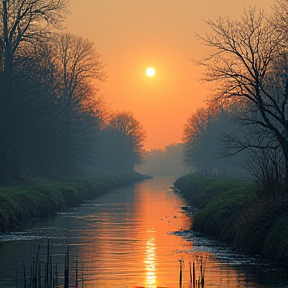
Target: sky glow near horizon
(133,35)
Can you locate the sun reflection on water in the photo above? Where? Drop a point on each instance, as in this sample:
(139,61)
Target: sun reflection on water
(150,281)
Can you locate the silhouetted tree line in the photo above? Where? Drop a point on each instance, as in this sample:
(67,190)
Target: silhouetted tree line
(164,162)
(247,116)
(53,123)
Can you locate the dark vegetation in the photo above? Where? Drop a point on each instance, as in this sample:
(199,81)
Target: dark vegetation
(19,204)
(231,211)
(242,133)
(53,121)
(243,130)
(58,137)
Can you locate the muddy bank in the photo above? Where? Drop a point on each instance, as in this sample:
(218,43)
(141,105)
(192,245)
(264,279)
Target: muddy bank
(19,204)
(229,211)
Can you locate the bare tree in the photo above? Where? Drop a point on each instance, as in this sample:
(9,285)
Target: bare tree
(280,19)
(26,21)
(81,69)
(80,66)
(250,68)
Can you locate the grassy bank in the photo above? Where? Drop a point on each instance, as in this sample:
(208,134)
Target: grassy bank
(18,204)
(229,210)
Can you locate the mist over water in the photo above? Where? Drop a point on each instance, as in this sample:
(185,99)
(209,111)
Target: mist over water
(133,237)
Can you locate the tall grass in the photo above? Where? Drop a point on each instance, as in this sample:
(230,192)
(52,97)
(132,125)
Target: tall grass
(48,272)
(230,211)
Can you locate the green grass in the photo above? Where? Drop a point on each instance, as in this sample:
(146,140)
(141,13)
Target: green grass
(18,204)
(230,211)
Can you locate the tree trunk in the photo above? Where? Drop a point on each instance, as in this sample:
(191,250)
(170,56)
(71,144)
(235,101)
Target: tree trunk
(9,116)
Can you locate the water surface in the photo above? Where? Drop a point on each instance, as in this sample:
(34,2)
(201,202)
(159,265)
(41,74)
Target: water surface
(133,237)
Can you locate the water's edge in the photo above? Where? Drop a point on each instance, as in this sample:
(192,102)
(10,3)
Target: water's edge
(228,210)
(42,198)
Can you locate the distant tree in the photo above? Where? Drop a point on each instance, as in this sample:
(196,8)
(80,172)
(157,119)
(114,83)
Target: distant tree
(173,159)
(250,67)
(114,155)
(204,149)
(153,163)
(163,162)
(131,128)
(194,130)
(122,143)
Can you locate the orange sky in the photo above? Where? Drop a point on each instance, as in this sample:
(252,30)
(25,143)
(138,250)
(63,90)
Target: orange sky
(135,34)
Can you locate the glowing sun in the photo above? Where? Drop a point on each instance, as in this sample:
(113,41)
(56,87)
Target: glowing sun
(150,72)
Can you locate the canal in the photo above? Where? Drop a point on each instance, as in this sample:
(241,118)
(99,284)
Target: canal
(133,237)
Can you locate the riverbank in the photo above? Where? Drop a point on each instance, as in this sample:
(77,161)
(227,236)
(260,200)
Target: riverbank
(19,204)
(229,210)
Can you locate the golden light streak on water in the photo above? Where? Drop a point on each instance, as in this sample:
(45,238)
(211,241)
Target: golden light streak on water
(150,263)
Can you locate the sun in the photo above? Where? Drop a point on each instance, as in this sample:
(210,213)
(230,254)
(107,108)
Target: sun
(150,72)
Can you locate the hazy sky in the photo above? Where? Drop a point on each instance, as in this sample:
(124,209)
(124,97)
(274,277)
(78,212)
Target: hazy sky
(135,34)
